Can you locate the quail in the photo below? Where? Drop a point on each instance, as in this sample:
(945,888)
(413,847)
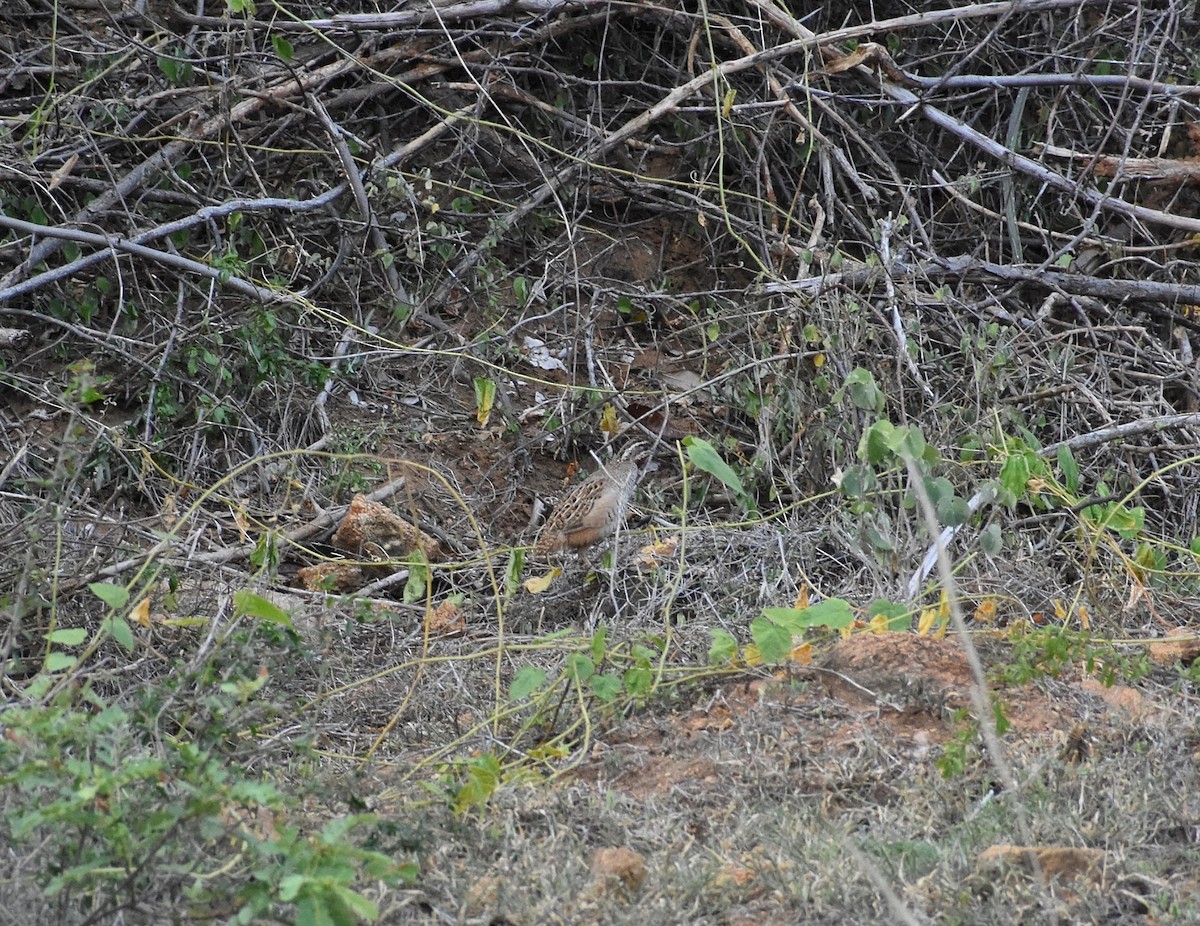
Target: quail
(592,510)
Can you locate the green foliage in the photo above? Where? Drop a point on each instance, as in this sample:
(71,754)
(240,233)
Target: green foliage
(315,873)
(175,67)
(961,749)
(860,387)
(706,458)
(109,809)
(1051,651)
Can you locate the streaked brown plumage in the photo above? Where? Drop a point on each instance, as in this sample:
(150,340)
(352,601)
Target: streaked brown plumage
(590,511)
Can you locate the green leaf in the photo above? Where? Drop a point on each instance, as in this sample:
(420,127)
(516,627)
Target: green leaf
(418,579)
(514,570)
(599,643)
(704,455)
(606,687)
(1070,469)
(874,531)
(259,608)
(1014,475)
(283,48)
(724,646)
(579,667)
(834,613)
(59,662)
(1128,522)
(860,385)
(483,777)
(120,631)
(265,554)
(898,616)
(527,680)
(873,446)
(357,905)
(638,680)
(953,511)
(289,887)
(1002,722)
(858,481)
(485,399)
(773,640)
(115,596)
(69,636)
(990,540)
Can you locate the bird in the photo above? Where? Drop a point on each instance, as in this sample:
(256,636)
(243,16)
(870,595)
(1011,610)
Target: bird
(591,511)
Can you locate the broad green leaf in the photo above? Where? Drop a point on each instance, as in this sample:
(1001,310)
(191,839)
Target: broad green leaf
(59,662)
(873,446)
(68,636)
(259,608)
(606,687)
(834,613)
(638,680)
(953,511)
(704,455)
(115,596)
(357,906)
(599,643)
(527,680)
(289,887)
(1014,475)
(120,631)
(856,481)
(898,616)
(483,777)
(580,667)
(990,540)
(724,646)
(1128,522)
(863,390)
(774,641)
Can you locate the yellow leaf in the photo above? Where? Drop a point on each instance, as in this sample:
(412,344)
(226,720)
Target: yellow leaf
(243,525)
(608,421)
(538,584)
(819,361)
(1084,619)
(985,613)
(170,513)
(802,655)
(752,655)
(1060,610)
(653,555)
(801,597)
(879,624)
(926,621)
(141,612)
